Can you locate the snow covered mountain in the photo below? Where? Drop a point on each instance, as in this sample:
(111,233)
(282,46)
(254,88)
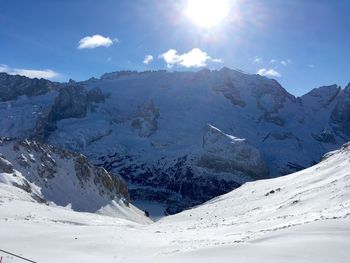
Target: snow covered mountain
(301,217)
(181,138)
(320,192)
(12,87)
(34,172)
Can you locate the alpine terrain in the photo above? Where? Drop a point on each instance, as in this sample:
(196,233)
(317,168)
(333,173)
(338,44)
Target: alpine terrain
(179,138)
(153,131)
(301,217)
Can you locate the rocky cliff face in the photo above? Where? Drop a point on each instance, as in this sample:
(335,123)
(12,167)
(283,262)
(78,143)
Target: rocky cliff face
(223,153)
(152,129)
(49,174)
(146,119)
(73,101)
(321,97)
(340,115)
(11,87)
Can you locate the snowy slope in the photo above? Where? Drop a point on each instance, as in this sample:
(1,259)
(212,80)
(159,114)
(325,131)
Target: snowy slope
(34,172)
(302,217)
(318,193)
(150,128)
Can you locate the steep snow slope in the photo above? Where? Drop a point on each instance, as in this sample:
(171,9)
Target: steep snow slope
(151,128)
(318,193)
(302,217)
(38,173)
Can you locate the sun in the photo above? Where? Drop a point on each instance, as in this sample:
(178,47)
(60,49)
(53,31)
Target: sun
(207,13)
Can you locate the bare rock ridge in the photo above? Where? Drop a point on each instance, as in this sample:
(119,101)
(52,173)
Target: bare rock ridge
(321,97)
(11,87)
(49,174)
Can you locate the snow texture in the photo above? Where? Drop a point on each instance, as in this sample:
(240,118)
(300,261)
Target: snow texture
(302,217)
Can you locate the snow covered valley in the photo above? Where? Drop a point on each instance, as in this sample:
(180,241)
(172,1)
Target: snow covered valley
(301,217)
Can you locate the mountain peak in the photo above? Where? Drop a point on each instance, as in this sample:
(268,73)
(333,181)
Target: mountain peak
(348,87)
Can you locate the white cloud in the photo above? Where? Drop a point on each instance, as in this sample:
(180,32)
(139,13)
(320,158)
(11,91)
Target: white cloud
(30,73)
(217,60)
(258,60)
(285,62)
(148,59)
(170,57)
(269,73)
(195,58)
(95,41)
(4,68)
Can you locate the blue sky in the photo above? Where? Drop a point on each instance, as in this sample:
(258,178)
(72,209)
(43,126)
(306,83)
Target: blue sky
(302,44)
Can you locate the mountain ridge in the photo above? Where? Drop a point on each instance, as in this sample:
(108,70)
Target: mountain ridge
(149,128)
(44,174)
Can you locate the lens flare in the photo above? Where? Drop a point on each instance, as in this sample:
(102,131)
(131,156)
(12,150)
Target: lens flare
(207,13)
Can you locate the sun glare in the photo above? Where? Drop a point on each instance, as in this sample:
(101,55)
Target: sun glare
(207,13)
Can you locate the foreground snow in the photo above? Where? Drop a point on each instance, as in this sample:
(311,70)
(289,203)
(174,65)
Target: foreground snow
(46,234)
(303,217)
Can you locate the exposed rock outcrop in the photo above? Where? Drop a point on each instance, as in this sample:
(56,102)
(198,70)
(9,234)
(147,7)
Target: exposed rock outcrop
(231,93)
(146,119)
(340,116)
(60,176)
(71,102)
(270,99)
(325,136)
(13,86)
(227,154)
(321,97)
(5,165)
(118,74)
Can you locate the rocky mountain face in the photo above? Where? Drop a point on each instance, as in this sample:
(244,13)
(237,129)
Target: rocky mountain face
(50,175)
(146,119)
(73,101)
(13,86)
(223,153)
(182,138)
(340,115)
